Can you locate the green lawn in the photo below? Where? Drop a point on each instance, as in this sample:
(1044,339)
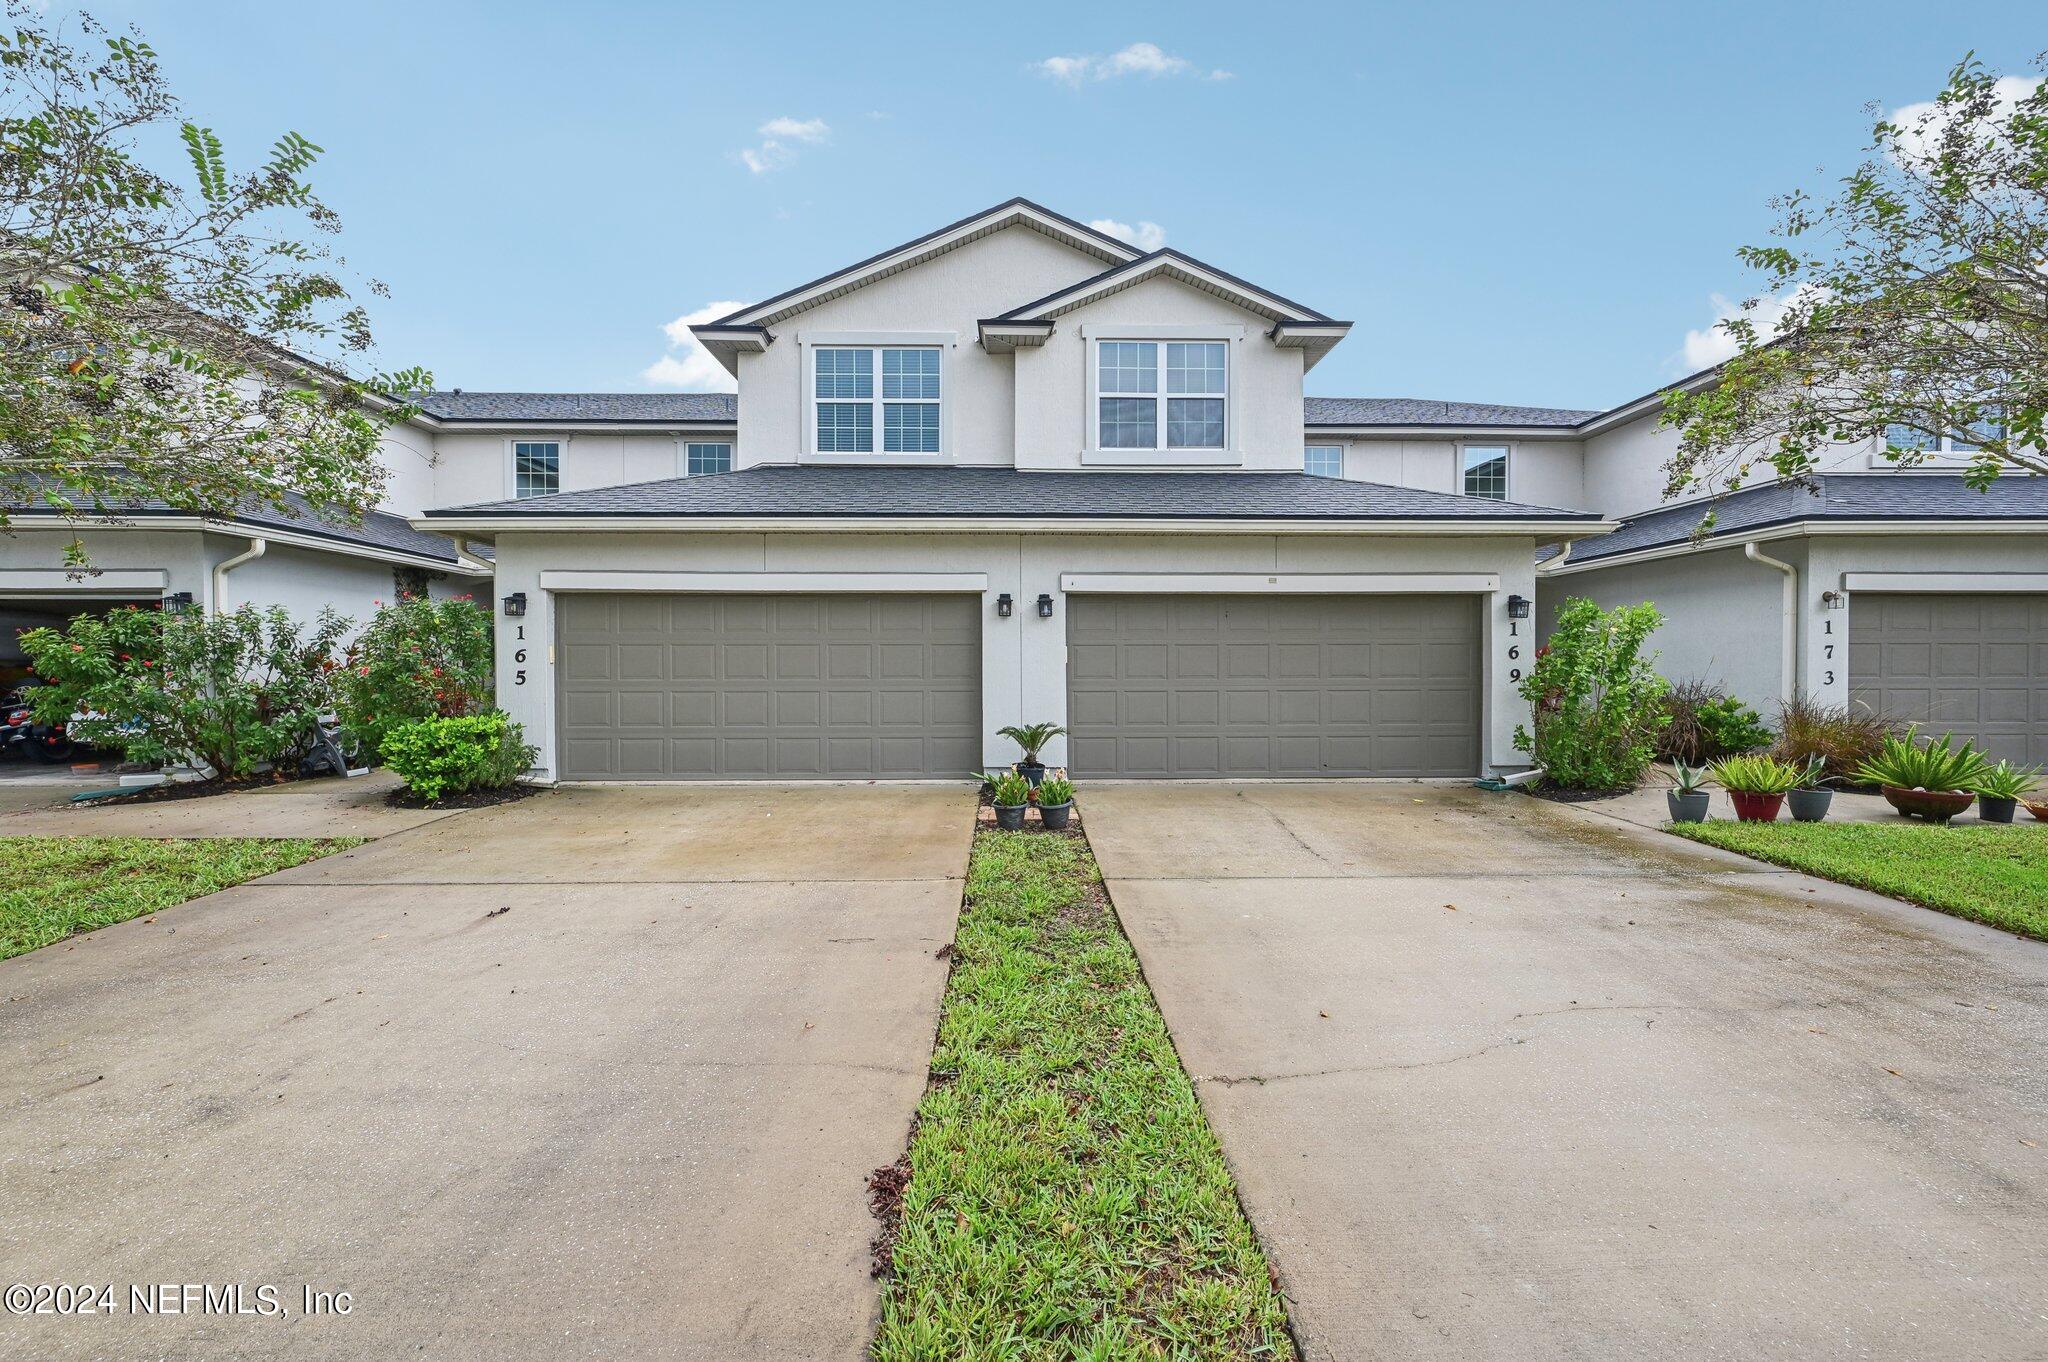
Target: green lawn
(54,887)
(1067,1199)
(1996,875)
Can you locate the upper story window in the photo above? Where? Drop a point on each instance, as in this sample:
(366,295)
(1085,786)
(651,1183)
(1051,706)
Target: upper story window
(1485,471)
(707,459)
(1323,461)
(847,396)
(1918,441)
(1128,394)
(536,468)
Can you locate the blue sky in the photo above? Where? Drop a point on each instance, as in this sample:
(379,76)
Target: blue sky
(1514,202)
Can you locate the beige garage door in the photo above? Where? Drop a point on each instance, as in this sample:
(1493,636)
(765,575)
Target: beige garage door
(814,687)
(1974,665)
(1218,686)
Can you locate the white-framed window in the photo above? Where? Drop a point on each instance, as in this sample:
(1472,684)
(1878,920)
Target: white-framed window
(1992,427)
(1323,461)
(1483,471)
(1169,394)
(848,396)
(536,468)
(707,458)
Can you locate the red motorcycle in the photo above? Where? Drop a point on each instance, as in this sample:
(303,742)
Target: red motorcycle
(22,736)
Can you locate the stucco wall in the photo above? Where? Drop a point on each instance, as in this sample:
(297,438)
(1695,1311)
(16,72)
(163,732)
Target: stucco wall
(1023,657)
(1540,472)
(476,466)
(407,453)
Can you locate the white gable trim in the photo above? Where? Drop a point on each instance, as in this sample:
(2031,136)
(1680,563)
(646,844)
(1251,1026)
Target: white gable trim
(1175,266)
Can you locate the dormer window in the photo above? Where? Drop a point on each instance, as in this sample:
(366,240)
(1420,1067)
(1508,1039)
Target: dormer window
(852,405)
(1135,379)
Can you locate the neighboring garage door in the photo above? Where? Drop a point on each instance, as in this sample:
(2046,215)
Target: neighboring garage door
(657,687)
(1193,686)
(1974,665)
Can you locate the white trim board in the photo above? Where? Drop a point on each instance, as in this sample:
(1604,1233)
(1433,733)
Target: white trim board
(1967,582)
(1282,583)
(481,526)
(574,579)
(65,582)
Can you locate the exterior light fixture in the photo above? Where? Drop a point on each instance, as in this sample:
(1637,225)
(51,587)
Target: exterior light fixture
(1518,607)
(1834,600)
(1044,607)
(515,605)
(178,600)
(1005,605)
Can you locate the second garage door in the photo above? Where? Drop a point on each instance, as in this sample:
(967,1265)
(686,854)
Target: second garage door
(1220,686)
(1974,665)
(678,687)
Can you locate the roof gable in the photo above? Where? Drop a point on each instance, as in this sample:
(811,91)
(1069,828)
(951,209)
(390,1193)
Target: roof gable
(1174,265)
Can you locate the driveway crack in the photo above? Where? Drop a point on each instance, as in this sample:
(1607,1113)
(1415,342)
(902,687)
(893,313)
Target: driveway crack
(1232,1080)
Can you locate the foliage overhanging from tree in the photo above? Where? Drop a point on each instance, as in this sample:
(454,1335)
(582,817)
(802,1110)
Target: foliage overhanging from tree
(1915,305)
(152,328)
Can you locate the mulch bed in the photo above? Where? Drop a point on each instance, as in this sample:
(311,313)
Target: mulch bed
(191,789)
(402,798)
(985,818)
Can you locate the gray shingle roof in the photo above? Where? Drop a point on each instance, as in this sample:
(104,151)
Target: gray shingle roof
(379,529)
(1417,411)
(1829,496)
(651,408)
(784,490)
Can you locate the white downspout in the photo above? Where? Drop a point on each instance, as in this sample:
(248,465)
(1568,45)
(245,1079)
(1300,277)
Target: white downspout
(1788,646)
(1564,556)
(257,548)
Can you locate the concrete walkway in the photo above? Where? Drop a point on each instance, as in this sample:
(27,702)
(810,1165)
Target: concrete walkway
(599,1074)
(328,807)
(1502,1079)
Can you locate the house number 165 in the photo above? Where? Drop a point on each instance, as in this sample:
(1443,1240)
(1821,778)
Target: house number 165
(519,655)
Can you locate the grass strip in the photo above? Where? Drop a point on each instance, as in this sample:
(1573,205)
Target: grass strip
(1066,1197)
(55,887)
(1988,873)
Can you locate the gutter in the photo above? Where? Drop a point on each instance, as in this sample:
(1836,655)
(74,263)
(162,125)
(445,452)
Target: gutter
(481,526)
(1793,529)
(1788,643)
(257,548)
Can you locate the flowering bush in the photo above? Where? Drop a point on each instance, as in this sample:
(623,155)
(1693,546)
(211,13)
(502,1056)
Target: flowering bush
(1598,706)
(228,690)
(417,659)
(437,757)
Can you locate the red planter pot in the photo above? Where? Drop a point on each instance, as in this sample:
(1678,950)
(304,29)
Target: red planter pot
(1756,808)
(1936,805)
(2038,808)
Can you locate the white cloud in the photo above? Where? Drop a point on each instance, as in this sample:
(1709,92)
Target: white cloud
(688,365)
(1146,236)
(1139,59)
(780,138)
(1712,345)
(1921,125)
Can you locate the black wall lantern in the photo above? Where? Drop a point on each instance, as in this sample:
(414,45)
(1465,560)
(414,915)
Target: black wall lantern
(1518,607)
(515,605)
(1044,607)
(178,600)
(1004,605)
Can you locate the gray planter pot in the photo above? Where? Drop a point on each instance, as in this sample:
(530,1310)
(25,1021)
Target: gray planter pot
(1809,806)
(1032,771)
(1992,809)
(1011,816)
(1687,808)
(1055,816)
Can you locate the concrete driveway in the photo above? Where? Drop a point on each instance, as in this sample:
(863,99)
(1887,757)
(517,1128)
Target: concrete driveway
(1504,1080)
(599,1074)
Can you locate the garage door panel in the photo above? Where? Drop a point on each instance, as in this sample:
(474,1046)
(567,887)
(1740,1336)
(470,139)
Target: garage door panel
(787,687)
(1299,686)
(1977,665)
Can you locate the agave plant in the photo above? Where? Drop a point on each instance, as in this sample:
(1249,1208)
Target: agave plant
(1815,774)
(1937,766)
(1687,779)
(2007,781)
(1757,775)
(1031,737)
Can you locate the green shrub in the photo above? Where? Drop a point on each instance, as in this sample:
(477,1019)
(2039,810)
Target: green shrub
(417,659)
(440,757)
(1937,766)
(1597,703)
(230,690)
(1843,738)
(1707,723)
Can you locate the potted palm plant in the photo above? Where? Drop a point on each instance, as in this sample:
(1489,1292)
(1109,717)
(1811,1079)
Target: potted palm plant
(2000,789)
(1687,798)
(1934,780)
(1032,738)
(1011,794)
(1756,785)
(1809,801)
(1055,801)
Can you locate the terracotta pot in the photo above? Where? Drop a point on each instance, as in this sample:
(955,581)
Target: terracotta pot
(1756,808)
(2038,808)
(1937,806)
